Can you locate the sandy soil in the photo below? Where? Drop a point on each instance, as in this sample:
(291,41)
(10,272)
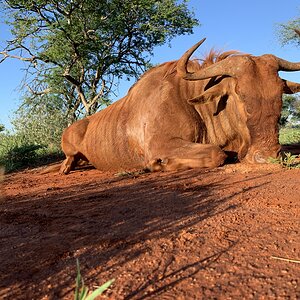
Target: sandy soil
(196,234)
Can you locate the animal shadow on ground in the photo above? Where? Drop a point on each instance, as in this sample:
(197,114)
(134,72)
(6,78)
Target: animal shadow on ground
(101,223)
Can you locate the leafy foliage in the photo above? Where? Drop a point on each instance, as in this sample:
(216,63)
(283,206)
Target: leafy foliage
(287,33)
(287,160)
(290,110)
(289,136)
(16,152)
(36,139)
(78,50)
(21,156)
(43,123)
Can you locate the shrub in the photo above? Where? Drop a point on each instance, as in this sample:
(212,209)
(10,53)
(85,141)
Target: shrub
(35,140)
(287,160)
(16,152)
(289,136)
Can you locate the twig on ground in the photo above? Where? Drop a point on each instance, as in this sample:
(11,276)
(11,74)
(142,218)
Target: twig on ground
(286,259)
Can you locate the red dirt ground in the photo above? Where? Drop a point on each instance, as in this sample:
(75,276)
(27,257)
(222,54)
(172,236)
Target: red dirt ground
(196,234)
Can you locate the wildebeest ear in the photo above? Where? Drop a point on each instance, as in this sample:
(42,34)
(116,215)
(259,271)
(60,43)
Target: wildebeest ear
(210,95)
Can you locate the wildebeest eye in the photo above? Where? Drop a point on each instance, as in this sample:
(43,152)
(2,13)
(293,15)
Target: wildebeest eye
(221,104)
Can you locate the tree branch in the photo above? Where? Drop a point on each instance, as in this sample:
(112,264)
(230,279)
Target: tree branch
(7,55)
(35,93)
(98,95)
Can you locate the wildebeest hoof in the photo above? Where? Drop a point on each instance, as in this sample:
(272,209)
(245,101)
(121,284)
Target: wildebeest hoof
(65,170)
(157,164)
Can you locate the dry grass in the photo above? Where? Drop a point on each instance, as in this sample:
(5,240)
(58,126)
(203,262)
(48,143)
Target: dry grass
(286,259)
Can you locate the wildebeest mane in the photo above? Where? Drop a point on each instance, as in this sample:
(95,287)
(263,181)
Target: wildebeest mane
(169,68)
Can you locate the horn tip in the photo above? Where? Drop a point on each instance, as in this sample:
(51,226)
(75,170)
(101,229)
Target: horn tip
(202,41)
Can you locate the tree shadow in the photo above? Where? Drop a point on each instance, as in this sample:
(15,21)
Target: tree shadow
(159,277)
(98,221)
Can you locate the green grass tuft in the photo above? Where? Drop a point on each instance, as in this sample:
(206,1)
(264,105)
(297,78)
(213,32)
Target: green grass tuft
(287,160)
(82,292)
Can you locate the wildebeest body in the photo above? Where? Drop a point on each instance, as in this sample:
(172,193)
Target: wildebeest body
(133,134)
(172,120)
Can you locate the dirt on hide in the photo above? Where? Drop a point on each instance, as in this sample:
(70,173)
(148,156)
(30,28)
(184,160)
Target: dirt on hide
(228,233)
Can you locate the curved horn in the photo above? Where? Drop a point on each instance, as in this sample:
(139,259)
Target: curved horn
(284,65)
(220,68)
(182,62)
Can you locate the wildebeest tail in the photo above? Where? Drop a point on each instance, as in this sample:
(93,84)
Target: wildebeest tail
(51,169)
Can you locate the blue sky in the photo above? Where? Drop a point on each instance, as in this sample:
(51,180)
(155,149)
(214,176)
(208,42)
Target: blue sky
(247,26)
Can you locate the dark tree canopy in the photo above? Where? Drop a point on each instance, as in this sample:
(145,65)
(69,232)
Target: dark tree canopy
(77,50)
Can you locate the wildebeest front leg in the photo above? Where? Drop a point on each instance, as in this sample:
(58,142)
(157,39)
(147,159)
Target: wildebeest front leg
(67,165)
(188,156)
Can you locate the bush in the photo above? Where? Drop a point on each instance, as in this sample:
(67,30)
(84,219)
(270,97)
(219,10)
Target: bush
(289,136)
(16,152)
(21,156)
(42,126)
(36,138)
(287,160)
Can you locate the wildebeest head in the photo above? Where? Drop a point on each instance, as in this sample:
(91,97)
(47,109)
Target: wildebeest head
(248,92)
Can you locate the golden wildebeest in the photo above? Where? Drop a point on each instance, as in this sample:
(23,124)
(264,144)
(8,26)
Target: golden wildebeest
(185,114)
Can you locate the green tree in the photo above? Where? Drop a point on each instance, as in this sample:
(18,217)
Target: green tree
(78,50)
(289,32)
(42,124)
(290,110)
